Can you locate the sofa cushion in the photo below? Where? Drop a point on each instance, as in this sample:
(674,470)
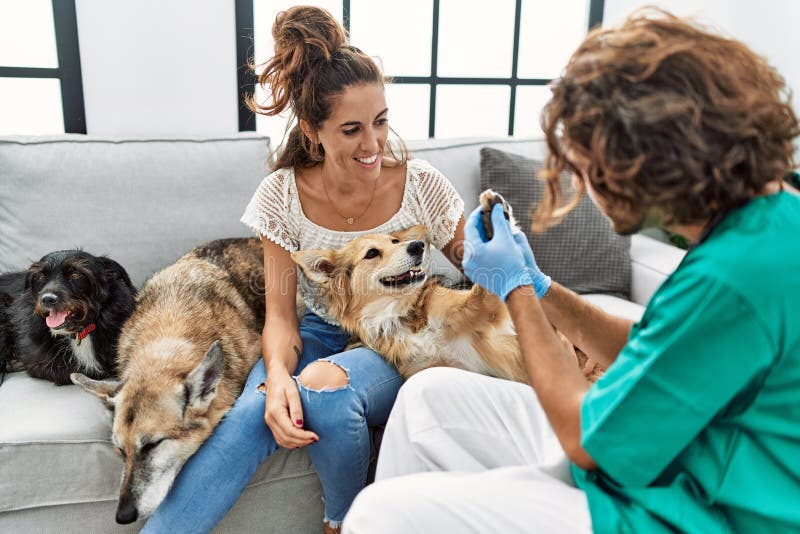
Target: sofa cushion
(582,253)
(55,448)
(143,202)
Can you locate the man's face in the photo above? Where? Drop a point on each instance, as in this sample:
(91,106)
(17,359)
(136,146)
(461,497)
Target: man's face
(624,221)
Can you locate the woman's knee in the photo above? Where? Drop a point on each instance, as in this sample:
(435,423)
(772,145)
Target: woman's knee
(323,375)
(329,402)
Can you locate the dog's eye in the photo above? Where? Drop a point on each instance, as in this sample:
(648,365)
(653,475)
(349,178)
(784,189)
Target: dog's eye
(75,275)
(395,241)
(119,451)
(372,253)
(150,446)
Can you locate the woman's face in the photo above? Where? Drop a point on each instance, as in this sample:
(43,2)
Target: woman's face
(354,135)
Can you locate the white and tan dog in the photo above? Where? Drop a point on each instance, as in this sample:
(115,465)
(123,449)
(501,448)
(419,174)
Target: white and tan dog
(378,288)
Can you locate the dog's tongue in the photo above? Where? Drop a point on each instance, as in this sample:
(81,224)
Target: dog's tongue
(56,318)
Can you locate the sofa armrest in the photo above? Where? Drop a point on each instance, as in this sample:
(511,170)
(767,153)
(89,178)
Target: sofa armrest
(652,261)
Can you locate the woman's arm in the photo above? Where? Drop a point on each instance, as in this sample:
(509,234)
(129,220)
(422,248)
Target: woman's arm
(454,250)
(281,346)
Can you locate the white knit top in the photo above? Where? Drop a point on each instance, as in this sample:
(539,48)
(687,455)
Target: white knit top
(275,212)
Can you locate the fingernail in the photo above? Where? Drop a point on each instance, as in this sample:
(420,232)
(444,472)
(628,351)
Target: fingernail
(299,422)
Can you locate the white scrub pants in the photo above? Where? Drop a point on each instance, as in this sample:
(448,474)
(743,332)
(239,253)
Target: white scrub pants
(468,453)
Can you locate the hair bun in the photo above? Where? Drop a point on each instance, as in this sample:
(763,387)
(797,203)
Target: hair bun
(305,35)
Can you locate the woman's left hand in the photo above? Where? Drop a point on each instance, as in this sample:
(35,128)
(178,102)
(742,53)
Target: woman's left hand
(498,264)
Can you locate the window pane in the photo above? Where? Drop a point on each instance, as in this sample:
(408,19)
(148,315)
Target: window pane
(476,38)
(549,34)
(264,13)
(27,34)
(30,106)
(409,109)
(530,101)
(397,33)
(472,110)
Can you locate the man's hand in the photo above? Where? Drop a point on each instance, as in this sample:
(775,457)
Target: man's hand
(498,265)
(541,282)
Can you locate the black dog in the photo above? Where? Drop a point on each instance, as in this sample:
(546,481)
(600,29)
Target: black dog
(65,315)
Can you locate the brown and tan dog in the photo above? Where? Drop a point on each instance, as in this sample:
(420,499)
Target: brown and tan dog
(377,287)
(184,356)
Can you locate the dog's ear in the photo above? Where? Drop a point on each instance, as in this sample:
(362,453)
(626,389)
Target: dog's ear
(105,390)
(33,270)
(418,231)
(318,265)
(201,384)
(115,270)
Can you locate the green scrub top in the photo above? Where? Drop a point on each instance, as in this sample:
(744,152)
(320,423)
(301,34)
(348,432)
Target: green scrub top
(696,425)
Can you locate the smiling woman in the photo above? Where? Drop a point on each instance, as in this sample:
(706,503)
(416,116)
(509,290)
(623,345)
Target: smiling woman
(337,178)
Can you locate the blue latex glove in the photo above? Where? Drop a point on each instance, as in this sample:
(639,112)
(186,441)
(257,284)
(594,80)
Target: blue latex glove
(498,265)
(541,282)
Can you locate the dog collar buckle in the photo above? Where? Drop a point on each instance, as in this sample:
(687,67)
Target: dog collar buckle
(85,332)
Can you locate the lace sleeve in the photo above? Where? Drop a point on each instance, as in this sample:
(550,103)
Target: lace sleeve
(268,212)
(440,205)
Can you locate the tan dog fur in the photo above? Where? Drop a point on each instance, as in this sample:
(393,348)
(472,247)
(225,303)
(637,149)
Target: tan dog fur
(184,356)
(416,326)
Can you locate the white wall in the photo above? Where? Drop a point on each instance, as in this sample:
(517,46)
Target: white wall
(769,27)
(155,67)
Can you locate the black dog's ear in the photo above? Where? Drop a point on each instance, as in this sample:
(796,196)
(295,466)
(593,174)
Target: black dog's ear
(33,270)
(116,270)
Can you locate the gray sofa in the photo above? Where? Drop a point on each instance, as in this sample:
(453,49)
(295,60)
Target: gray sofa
(144,202)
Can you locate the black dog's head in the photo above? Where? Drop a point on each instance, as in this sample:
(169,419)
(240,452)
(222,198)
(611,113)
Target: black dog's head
(69,287)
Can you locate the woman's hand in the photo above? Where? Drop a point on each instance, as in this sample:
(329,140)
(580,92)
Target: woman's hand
(283,411)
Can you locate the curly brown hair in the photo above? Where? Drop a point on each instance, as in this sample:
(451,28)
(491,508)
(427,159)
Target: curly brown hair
(665,114)
(313,64)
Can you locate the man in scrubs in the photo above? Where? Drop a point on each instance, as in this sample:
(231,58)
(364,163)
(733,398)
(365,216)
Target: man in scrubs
(695,425)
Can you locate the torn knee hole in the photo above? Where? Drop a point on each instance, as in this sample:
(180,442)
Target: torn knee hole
(323,375)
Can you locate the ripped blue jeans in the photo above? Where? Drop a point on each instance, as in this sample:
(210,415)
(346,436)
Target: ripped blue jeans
(213,478)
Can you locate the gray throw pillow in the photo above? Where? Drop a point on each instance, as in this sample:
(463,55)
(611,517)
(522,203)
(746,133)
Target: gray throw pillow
(582,253)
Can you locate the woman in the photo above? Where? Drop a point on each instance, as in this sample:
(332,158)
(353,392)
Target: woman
(336,179)
(694,425)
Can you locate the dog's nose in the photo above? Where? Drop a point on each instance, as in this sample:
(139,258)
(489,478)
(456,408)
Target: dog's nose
(415,248)
(48,299)
(126,511)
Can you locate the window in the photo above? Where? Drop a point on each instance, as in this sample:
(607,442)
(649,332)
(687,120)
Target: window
(40,70)
(459,67)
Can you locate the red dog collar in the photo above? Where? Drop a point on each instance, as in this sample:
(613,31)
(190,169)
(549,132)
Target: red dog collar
(85,332)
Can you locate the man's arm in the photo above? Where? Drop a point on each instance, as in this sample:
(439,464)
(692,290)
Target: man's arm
(599,334)
(559,383)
